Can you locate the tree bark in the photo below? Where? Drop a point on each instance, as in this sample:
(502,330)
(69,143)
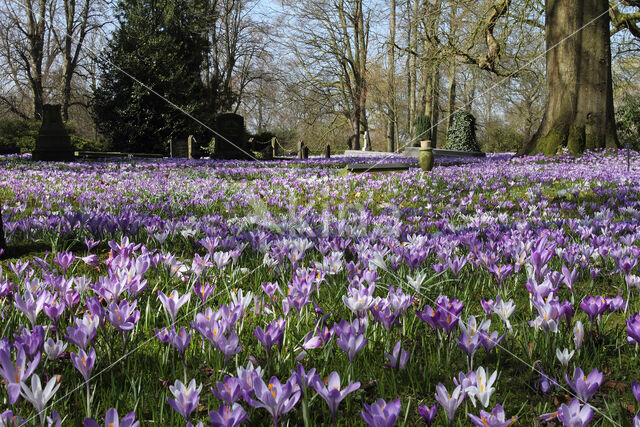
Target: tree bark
(391,113)
(35,35)
(579,113)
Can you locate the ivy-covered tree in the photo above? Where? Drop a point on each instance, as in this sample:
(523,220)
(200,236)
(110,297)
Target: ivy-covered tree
(158,43)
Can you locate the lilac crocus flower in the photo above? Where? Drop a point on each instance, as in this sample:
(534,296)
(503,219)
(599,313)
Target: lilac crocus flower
(203,291)
(173,302)
(350,341)
(229,346)
(594,307)
(273,334)
(545,383)
(332,394)
(635,388)
(113,420)
(186,397)
(229,390)
(123,316)
(64,260)
(494,419)
(572,414)
(381,413)
(398,358)
(449,402)
(180,340)
(633,329)
(428,413)
(31,306)
(228,416)
(84,331)
(54,349)
(276,398)
(15,374)
(84,362)
(585,386)
(162,335)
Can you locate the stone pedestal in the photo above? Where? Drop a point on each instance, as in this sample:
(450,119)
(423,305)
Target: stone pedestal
(53,142)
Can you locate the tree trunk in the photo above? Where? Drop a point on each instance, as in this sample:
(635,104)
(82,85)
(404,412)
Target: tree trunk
(579,113)
(391,114)
(35,35)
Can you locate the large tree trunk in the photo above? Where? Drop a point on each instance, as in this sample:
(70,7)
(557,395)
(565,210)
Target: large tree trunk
(579,113)
(35,35)
(391,113)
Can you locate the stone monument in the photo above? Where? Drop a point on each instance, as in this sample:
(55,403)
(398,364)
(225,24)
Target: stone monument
(53,142)
(232,141)
(327,151)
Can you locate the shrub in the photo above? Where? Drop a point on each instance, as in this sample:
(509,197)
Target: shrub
(501,138)
(462,132)
(628,124)
(423,129)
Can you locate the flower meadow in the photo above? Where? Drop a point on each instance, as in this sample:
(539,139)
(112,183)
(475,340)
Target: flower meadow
(194,292)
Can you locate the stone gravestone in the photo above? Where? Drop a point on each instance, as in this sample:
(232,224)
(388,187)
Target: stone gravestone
(305,152)
(53,142)
(232,141)
(327,151)
(301,149)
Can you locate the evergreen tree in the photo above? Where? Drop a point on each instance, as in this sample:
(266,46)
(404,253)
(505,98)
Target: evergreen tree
(159,43)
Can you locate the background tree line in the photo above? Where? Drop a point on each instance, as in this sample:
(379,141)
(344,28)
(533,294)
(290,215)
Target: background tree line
(324,71)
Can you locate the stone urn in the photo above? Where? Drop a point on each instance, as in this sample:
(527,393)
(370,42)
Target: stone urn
(53,142)
(425,157)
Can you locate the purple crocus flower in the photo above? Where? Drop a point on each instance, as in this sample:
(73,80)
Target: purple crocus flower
(276,398)
(350,338)
(585,386)
(381,413)
(112,420)
(84,331)
(229,345)
(273,334)
(173,302)
(64,260)
(494,419)
(398,359)
(31,341)
(123,316)
(84,362)
(31,306)
(186,397)
(635,388)
(489,340)
(162,335)
(594,307)
(228,416)
(569,277)
(203,291)
(633,329)
(572,414)
(332,394)
(15,374)
(428,413)
(180,340)
(54,310)
(229,390)
(545,383)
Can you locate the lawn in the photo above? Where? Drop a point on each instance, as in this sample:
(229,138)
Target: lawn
(295,293)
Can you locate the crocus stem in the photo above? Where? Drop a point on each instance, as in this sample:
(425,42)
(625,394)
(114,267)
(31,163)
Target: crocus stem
(184,369)
(88,399)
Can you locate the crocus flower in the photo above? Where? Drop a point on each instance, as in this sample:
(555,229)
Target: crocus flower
(578,334)
(332,394)
(173,302)
(203,291)
(381,413)
(54,349)
(494,419)
(227,416)
(585,386)
(38,396)
(633,329)
(545,383)
(483,388)
(504,310)
(229,390)
(594,307)
(229,345)
(635,388)
(449,402)
(123,316)
(186,397)
(14,375)
(564,356)
(113,420)
(273,334)
(398,358)
(84,362)
(276,398)
(428,413)
(350,342)
(572,414)
(31,306)
(162,335)
(180,340)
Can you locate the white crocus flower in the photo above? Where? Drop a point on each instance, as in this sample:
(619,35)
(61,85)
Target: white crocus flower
(472,327)
(416,282)
(483,388)
(564,356)
(36,395)
(578,334)
(504,310)
(242,300)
